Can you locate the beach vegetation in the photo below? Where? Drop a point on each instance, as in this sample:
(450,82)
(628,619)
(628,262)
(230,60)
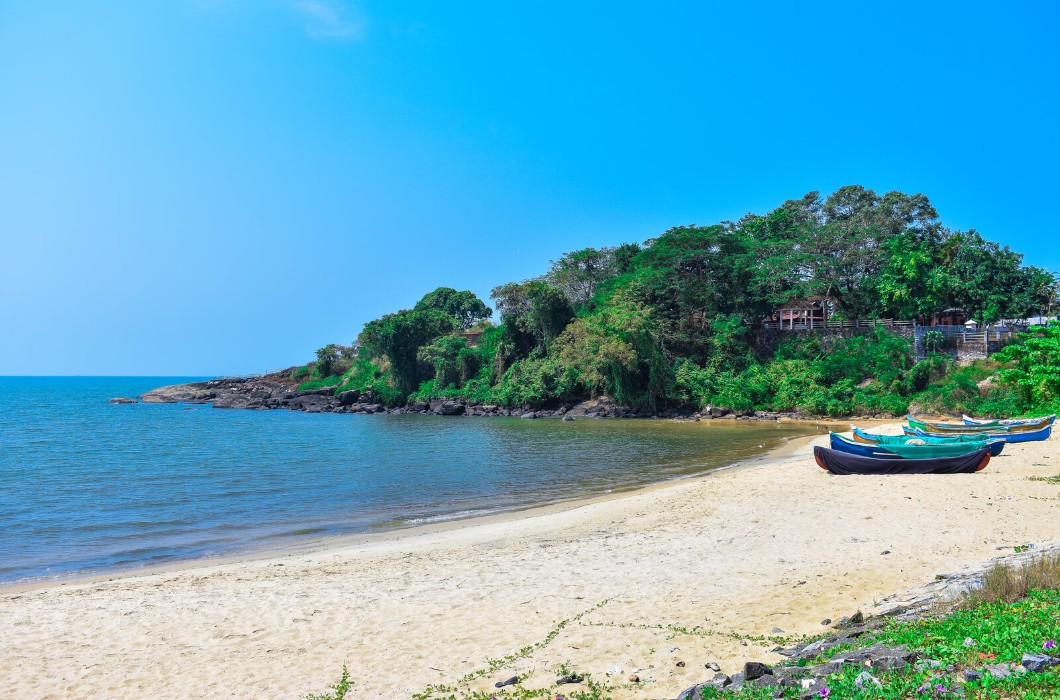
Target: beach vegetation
(1014,611)
(676,322)
(337,691)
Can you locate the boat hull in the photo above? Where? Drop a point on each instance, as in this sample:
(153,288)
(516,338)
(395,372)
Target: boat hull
(844,464)
(1019,436)
(964,428)
(1003,422)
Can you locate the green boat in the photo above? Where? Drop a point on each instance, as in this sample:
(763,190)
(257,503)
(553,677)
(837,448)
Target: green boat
(907,451)
(994,444)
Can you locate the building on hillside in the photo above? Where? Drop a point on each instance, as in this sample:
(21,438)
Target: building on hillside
(802,314)
(949,317)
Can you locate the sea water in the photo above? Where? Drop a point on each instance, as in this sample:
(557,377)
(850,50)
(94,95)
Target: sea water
(88,487)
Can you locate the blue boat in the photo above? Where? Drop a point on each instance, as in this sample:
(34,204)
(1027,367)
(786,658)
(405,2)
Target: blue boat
(1026,436)
(841,444)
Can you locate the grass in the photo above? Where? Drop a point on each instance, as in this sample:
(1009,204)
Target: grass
(333,380)
(1054,480)
(338,691)
(1007,584)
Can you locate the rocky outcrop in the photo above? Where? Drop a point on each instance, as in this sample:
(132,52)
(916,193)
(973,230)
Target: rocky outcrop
(276,391)
(122,400)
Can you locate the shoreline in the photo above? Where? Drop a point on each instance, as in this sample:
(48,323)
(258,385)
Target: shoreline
(317,545)
(694,571)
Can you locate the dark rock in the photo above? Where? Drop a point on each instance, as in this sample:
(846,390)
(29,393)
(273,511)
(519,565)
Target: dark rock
(754,669)
(857,618)
(680,664)
(721,680)
(695,692)
(602,407)
(122,400)
(447,407)
(1037,663)
(511,681)
(970,675)
(713,666)
(571,678)
(825,669)
(767,681)
(529,415)
(568,418)
(348,398)
(827,621)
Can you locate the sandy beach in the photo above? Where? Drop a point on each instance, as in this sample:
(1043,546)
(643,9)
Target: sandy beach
(695,571)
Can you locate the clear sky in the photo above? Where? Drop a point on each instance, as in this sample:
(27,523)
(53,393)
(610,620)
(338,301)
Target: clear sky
(202,187)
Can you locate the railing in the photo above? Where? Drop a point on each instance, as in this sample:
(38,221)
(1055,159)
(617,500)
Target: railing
(804,325)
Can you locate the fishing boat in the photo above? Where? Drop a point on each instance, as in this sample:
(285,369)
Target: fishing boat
(1007,436)
(942,427)
(843,463)
(995,445)
(841,444)
(907,450)
(968,420)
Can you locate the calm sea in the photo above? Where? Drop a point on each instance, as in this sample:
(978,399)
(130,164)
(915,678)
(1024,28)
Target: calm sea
(87,487)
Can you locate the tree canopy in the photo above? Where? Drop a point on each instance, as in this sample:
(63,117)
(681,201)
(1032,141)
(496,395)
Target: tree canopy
(672,320)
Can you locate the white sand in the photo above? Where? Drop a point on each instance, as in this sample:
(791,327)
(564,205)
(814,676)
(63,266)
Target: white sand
(777,544)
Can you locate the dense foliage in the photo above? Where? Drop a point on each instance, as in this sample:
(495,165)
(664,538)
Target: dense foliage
(672,323)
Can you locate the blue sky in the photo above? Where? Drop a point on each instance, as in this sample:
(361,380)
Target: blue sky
(202,187)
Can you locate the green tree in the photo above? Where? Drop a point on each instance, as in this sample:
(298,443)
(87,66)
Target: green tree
(464,306)
(689,275)
(453,360)
(989,281)
(915,282)
(1033,367)
(536,312)
(398,337)
(327,356)
(578,273)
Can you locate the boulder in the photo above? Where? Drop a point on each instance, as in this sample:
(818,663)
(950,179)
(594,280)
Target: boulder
(447,407)
(753,670)
(122,400)
(348,398)
(1038,663)
(866,680)
(602,407)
